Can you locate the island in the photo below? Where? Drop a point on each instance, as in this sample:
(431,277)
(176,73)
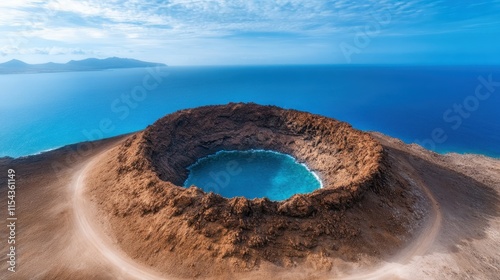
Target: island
(90,64)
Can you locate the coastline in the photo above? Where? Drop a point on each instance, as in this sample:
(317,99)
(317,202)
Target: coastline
(449,153)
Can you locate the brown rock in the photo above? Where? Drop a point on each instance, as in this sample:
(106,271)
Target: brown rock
(237,233)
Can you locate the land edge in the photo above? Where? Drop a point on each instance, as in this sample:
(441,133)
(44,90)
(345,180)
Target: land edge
(378,135)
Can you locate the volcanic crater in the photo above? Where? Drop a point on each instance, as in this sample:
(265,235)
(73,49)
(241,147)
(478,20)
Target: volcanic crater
(186,232)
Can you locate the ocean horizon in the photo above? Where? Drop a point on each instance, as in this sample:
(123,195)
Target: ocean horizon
(443,108)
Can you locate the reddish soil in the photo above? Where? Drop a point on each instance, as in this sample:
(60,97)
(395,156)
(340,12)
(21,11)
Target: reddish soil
(110,212)
(189,233)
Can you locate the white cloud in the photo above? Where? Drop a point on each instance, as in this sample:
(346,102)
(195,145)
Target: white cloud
(68,34)
(44,51)
(190,18)
(127,25)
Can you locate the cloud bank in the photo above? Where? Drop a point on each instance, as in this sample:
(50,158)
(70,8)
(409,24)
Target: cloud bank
(252,31)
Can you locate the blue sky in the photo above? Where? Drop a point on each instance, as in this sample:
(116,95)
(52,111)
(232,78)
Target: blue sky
(189,32)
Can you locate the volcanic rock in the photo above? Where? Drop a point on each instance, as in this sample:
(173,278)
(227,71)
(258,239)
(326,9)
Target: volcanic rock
(156,220)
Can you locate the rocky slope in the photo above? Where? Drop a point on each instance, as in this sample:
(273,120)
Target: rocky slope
(187,232)
(432,217)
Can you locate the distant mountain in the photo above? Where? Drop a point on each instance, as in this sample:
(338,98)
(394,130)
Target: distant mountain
(90,64)
(14,64)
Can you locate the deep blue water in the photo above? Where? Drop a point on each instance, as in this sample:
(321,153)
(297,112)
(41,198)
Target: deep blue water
(45,111)
(252,174)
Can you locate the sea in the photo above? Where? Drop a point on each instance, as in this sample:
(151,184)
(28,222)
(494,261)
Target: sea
(443,108)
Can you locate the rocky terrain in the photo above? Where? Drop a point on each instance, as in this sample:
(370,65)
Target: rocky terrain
(188,232)
(388,210)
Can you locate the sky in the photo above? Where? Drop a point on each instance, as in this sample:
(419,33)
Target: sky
(243,32)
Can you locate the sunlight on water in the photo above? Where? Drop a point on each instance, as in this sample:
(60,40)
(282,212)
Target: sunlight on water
(44,111)
(252,174)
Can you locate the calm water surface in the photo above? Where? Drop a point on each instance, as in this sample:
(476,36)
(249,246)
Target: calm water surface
(252,174)
(436,106)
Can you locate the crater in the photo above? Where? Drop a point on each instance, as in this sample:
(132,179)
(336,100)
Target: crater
(346,160)
(163,212)
(252,174)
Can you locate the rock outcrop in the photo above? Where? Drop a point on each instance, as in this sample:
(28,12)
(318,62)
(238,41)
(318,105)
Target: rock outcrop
(139,191)
(347,160)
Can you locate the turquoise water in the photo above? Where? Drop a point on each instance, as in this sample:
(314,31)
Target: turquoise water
(252,174)
(44,111)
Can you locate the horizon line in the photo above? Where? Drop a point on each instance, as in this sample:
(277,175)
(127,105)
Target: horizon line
(274,64)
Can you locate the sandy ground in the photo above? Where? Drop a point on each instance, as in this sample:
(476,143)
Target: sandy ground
(59,237)
(92,231)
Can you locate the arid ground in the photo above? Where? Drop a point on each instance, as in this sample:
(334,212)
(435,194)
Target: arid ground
(439,218)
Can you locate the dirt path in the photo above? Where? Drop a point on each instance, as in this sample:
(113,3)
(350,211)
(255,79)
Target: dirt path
(419,259)
(419,246)
(60,237)
(135,270)
(90,230)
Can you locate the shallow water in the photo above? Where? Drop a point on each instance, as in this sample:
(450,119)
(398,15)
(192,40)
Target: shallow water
(252,174)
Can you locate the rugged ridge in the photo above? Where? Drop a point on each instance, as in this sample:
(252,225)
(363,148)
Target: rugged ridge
(89,64)
(347,160)
(138,188)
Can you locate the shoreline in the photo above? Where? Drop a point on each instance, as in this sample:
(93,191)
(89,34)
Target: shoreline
(449,153)
(66,146)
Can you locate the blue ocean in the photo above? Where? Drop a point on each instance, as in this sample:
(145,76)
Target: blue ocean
(446,109)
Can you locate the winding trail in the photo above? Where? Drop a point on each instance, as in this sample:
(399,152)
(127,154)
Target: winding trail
(86,227)
(419,246)
(134,270)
